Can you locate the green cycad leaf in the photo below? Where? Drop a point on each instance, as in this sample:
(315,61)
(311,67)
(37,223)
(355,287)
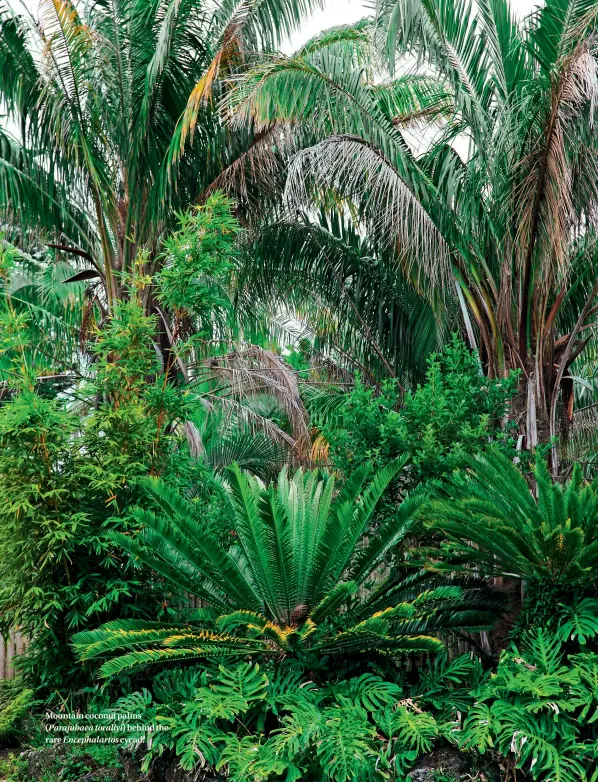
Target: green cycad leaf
(122,634)
(135,661)
(388,536)
(293,543)
(228,622)
(495,524)
(363,640)
(340,547)
(333,600)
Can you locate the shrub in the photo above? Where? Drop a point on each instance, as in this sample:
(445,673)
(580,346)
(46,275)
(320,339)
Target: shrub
(538,711)
(455,412)
(535,714)
(15,702)
(254,722)
(66,476)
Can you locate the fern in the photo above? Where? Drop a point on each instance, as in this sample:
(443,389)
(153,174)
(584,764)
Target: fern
(15,702)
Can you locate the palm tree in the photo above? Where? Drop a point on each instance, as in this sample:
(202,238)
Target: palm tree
(319,264)
(40,320)
(505,232)
(112,109)
(112,132)
(299,555)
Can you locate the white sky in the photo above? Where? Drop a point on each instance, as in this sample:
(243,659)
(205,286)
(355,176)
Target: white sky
(334,13)
(348,11)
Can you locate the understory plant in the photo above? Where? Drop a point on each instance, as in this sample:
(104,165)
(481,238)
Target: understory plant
(275,721)
(289,582)
(73,446)
(533,717)
(538,711)
(455,412)
(496,525)
(16,699)
(68,470)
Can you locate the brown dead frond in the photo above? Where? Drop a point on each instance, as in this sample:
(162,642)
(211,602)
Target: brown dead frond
(252,373)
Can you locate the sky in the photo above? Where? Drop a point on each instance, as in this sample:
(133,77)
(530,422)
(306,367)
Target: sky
(335,12)
(338,12)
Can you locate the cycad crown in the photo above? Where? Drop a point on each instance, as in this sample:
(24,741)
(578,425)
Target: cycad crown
(497,526)
(300,555)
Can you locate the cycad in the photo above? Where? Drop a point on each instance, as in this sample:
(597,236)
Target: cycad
(496,526)
(300,555)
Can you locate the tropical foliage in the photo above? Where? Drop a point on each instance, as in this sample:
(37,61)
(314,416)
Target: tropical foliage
(65,476)
(538,711)
(298,391)
(106,99)
(454,412)
(501,232)
(333,730)
(496,527)
(15,703)
(299,554)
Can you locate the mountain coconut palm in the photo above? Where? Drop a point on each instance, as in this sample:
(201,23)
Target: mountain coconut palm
(507,229)
(112,121)
(289,584)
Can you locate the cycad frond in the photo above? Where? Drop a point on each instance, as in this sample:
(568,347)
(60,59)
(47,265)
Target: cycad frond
(279,588)
(494,523)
